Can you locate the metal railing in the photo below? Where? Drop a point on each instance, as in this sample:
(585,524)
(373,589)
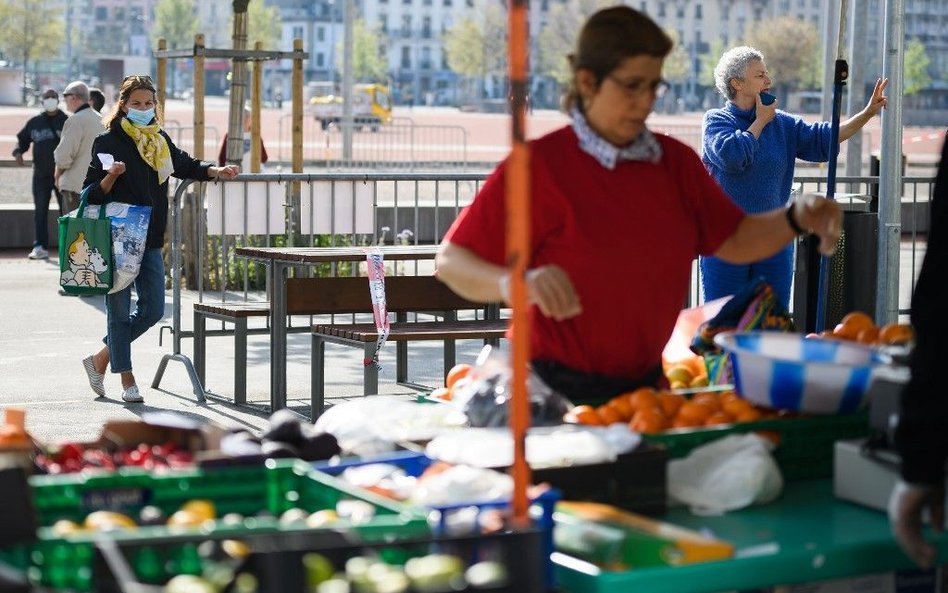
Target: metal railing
(399,145)
(350,208)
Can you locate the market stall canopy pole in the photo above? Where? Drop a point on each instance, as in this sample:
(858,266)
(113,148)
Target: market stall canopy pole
(518,251)
(840,74)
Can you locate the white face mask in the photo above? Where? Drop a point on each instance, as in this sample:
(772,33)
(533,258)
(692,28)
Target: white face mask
(49,104)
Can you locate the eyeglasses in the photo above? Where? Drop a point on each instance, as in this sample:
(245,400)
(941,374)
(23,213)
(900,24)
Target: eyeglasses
(637,88)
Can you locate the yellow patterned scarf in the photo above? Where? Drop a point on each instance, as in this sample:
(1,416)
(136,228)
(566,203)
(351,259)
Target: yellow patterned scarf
(152,146)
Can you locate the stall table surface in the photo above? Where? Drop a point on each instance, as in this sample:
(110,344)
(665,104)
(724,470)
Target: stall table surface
(807,535)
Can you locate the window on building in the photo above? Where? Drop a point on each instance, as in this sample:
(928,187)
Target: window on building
(383,22)
(406,57)
(426,2)
(320,34)
(297,32)
(725,13)
(426,58)
(320,60)
(406,25)
(680,11)
(698,12)
(447,3)
(661,10)
(406,2)
(426,27)
(101,13)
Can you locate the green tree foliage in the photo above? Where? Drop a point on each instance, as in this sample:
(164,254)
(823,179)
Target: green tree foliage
(175,22)
(369,61)
(677,65)
(263,25)
(709,61)
(788,45)
(558,37)
(915,75)
(30,30)
(476,46)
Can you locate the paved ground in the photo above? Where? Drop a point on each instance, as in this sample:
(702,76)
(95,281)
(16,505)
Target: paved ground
(45,336)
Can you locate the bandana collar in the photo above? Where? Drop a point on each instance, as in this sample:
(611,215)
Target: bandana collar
(645,147)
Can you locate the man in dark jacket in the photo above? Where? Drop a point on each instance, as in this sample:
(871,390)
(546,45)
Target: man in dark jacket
(922,437)
(42,131)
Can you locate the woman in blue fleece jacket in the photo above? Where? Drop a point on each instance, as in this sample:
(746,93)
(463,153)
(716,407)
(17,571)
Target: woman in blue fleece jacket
(750,149)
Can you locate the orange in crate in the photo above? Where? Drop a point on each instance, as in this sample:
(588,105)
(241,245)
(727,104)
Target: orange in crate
(643,397)
(671,403)
(623,406)
(649,421)
(609,415)
(896,333)
(694,413)
(583,414)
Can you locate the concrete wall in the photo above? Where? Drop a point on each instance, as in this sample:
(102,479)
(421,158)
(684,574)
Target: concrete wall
(16,226)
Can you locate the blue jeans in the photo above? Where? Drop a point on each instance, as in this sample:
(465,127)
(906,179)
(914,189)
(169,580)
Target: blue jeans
(720,278)
(124,326)
(42,190)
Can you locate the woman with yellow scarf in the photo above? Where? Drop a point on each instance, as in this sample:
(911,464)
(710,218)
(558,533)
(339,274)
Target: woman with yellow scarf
(131,163)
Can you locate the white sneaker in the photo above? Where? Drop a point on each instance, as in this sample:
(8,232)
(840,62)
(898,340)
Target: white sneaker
(132,396)
(39,253)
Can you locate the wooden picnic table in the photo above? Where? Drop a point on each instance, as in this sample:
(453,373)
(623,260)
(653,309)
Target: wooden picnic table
(278,259)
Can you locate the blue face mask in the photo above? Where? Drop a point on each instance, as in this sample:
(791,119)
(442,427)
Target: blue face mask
(141,118)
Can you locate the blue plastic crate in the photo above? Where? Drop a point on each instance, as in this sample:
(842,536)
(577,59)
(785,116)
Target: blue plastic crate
(414,464)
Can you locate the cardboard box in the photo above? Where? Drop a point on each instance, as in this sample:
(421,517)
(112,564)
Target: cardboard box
(157,429)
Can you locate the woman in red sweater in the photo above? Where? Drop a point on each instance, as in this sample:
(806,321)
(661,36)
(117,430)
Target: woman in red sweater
(618,215)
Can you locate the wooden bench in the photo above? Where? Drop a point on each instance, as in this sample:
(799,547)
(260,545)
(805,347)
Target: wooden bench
(403,295)
(237,313)
(347,295)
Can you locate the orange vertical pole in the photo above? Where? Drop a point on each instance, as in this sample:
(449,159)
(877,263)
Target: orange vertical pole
(518,251)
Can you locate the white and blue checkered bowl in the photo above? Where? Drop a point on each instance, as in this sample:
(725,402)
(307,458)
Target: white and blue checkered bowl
(789,372)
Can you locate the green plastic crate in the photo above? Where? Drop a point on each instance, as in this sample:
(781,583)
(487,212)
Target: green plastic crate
(66,562)
(805,449)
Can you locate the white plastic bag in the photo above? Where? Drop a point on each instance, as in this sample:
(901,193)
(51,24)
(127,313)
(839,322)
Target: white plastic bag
(726,474)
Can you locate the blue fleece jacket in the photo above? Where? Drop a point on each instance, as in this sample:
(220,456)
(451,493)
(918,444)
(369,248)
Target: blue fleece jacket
(758,173)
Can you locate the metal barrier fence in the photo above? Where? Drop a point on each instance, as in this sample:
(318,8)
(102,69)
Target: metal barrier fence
(399,145)
(183,137)
(351,209)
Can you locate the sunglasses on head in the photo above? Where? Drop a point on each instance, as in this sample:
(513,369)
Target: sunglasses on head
(138,78)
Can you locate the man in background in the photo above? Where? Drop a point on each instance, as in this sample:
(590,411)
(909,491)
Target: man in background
(42,131)
(74,152)
(97,99)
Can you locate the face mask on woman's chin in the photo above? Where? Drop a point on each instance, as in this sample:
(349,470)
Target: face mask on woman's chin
(141,118)
(50,104)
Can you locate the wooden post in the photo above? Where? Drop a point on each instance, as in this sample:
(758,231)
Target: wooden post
(297,126)
(298,106)
(161,75)
(256,84)
(238,86)
(199,96)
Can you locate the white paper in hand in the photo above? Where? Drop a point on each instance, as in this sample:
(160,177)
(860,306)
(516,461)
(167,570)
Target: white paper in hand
(107,160)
